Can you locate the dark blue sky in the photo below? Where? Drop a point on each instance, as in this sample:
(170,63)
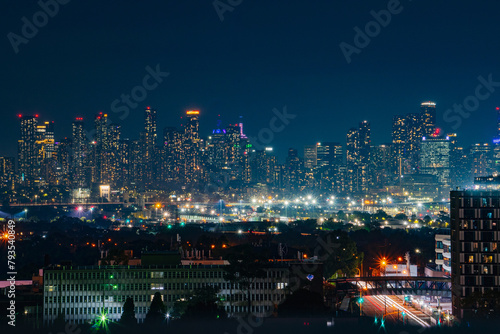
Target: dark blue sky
(264,55)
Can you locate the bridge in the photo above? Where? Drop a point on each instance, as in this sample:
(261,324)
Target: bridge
(387,285)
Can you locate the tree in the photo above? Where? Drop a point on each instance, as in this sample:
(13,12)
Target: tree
(128,316)
(204,304)
(243,270)
(156,312)
(304,303)
(115,257)
(343,258)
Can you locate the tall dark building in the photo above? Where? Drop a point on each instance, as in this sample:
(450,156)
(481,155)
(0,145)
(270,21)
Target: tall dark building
(173,155)
(358,158)
(79,151)
(481,160)
(310,156)
(149,142)
(475,251)
(26,149)
(191,146)
(7,168)
(435,158)
(399,138)
(101,147)
(428,111)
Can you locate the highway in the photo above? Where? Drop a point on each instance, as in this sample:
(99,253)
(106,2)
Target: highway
(375,306)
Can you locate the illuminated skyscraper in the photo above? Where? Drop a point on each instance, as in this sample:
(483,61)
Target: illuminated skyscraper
(149,139)
(79,145)
(428,112)
(481,157)
(310,156)
(191,146)
(435,158)
(27,152)
(101,148)
(173,155)
(358,158)
(7,165)
(414,133)
(399,137)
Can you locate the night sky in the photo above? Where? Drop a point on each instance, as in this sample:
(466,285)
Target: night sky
(263,55)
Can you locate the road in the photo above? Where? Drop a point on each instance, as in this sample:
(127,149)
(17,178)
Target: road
(376,306)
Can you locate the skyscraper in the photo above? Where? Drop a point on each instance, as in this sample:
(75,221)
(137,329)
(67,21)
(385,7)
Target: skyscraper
(101,150)
(310,156)
(358,158)
(149,141)
(27,153)
(428,112)
(435,158)
(79,145)
(191,146)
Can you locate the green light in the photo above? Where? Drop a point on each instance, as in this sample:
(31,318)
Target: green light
(182,224)
(375,320)
(169,226)
(115,286)
(111,276)
(360,300)
(102,320)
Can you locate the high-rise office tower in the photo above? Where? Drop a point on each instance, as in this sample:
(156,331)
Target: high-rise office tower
(149,141)
(114,155)
(292,170)
(428,112)
(63,154)
(329,154)
(498,122)
(414,133)
(364,142)
(100,148)
(459,164)
(358,158)
(435,158)
(79,151)
(191,146)
(173,152)
(135,166)
(7,169)
(27,153)
(475,254)
(481,160)
(399,138)
(380,166)
(310,156)
(45,140)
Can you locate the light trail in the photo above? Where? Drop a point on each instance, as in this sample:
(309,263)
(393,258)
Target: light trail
(409,313)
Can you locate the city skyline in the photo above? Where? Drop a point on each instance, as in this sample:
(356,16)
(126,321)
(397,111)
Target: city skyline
(446,56)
